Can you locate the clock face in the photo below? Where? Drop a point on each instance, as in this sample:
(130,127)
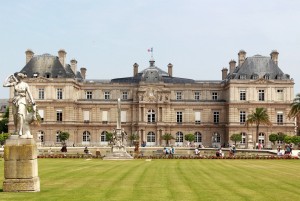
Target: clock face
(152,76)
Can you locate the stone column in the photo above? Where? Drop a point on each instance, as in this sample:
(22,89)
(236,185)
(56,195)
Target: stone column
(20,165)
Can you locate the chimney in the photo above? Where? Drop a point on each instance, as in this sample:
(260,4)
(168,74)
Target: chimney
(170,69)
(274,56)
(232,65)
(242,57)
(135,69)
(83,72)
(74,65)
(29,54)
(62,57)
(224,73)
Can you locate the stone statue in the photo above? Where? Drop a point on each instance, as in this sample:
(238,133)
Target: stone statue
(119,139)
(21,117)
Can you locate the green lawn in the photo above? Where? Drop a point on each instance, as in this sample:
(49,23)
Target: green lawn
(167,180)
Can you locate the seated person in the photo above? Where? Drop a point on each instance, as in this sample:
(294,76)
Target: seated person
(197,152)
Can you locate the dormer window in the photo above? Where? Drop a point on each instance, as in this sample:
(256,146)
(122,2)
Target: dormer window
(279,77)
(243,77)
(47,75)
(267,76)
(35,75)
(254,77)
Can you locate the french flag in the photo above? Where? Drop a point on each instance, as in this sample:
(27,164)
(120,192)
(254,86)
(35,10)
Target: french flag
(150,50)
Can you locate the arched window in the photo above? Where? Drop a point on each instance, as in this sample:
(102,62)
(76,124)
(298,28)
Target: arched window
(41,135)
(86,136)
(151,137)
(151,116)
(57,138)
(244,135)
(216,137)
(198,137)
(103,136)
(261,138)
(179,136)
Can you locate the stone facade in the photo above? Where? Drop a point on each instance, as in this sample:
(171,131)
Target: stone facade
(154,102)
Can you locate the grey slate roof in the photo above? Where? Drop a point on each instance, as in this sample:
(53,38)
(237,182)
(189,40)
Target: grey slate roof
(259,66)
(143,76)
(47,65)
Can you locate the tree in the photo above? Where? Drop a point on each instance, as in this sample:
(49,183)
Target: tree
(167,137)
(295,107)
(236,138)
(273,138)
(281,137)
(296,140)
(63,136)
(4,122)
(259,117)
(288,139)
(3,137)
(189,137)
(109,137)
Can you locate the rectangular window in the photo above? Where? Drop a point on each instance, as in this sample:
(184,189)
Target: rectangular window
(214,95)
(197,117)
(59,93)
(41,94)
(86,116)
(89,94)
(106,95)
(216,117)
(178,95)
(197,95)
(104,116)
(279,118)
(243,95)
(280,94)
(59,116)
(261,95)
(124,95)
(242,117)
(179,117)
(123,116)
(41,113)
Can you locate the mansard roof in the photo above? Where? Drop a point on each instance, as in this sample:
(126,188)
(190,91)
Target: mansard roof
(152,74)
(258,67)
(47,65)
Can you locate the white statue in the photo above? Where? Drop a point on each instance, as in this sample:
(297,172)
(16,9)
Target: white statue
(19,110)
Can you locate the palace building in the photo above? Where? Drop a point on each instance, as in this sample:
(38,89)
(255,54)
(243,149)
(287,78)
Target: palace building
(155,102)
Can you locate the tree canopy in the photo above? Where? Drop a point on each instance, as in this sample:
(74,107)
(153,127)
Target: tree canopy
(258,117)
(295,107)
(189,137)
(236,138)
(167,137)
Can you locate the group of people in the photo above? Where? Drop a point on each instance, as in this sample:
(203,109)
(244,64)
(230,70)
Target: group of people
(170,150)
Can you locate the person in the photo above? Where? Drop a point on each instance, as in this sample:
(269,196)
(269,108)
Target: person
(217,153)
(19,108)
(221,154)
(64,148)
(86,151)
(172,150)
(197,152)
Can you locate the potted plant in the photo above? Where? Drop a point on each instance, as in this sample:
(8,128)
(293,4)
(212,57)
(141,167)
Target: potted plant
(273,138)
(236,138)
(167,137)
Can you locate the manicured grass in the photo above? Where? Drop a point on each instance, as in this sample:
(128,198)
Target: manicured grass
(167,180)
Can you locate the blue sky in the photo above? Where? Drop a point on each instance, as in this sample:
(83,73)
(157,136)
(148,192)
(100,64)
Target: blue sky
(199,37)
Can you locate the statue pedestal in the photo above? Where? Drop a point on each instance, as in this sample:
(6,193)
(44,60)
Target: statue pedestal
(20,165)
(118,153)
